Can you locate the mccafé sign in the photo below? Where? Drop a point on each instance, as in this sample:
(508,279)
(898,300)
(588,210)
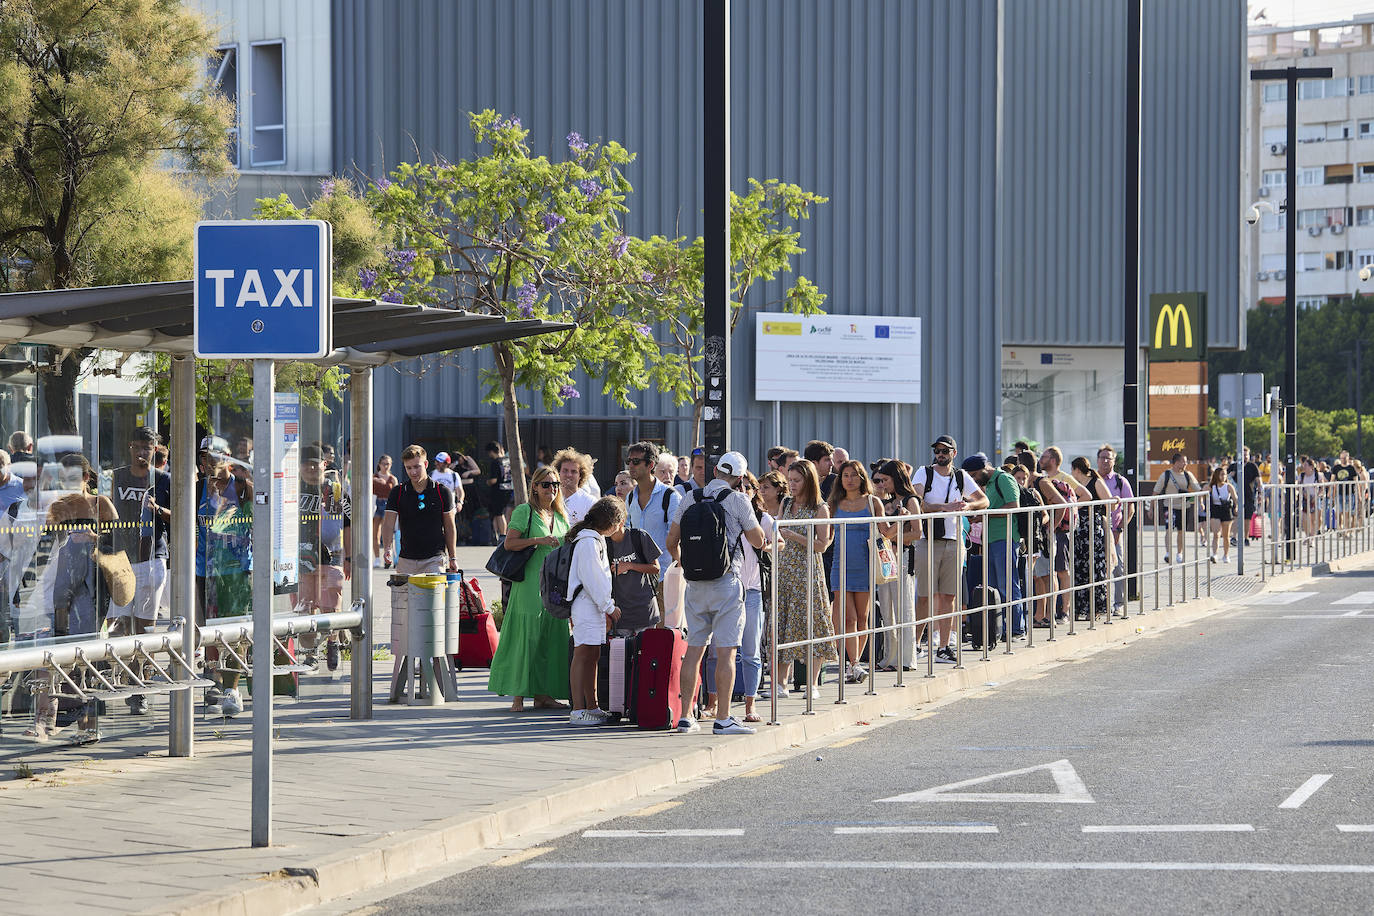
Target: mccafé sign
(1178,327)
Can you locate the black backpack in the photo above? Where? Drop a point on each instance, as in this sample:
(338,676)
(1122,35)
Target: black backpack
(704,544)
(553,580)
(1034,524)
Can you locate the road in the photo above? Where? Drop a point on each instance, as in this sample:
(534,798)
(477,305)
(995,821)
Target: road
(1218,767)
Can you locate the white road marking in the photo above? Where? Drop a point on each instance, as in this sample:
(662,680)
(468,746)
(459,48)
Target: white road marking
(1365,599)
(1282,598)
(1169,828)
(1070,789)
(1305,791)
(807,865)
(1355,828)
(1355,613)
(918,828)
(638,834)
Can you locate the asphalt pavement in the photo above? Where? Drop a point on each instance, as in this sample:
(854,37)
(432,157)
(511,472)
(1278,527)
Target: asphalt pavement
(1219,767)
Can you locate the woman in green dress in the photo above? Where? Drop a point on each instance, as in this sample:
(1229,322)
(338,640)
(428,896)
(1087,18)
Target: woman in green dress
(532,658)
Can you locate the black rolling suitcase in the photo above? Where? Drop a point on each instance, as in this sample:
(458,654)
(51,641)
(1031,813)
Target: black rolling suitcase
(979,596)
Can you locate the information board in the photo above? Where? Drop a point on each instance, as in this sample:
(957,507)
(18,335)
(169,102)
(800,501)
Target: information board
(286,489)
(837,358)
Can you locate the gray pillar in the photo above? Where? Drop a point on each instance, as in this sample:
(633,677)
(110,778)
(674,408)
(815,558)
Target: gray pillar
(360,671)
(266,457)
(180,740)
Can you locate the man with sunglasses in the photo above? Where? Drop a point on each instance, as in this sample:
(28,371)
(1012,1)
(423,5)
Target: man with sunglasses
(652,505)
(424,510)
(943,487)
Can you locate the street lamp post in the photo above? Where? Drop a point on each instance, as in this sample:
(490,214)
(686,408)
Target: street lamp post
(1291,75)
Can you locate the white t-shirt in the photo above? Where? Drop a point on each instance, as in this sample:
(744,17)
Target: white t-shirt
(578,505)
(449,479)
(749,566)
(942,490)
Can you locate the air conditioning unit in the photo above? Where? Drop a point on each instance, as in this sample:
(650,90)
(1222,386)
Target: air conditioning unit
(1309,52)
(1262,276)
(1280,275)
(1278,149)
(1337,229)
(1314,231)
(1263,192)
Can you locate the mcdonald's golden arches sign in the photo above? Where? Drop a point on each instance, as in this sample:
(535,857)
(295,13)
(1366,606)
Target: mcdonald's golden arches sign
(1178,327)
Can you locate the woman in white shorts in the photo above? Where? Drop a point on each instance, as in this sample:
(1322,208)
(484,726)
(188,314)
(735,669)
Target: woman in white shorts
(589,581)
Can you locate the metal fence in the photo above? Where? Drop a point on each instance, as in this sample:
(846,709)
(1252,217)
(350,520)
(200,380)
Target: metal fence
(1030,596)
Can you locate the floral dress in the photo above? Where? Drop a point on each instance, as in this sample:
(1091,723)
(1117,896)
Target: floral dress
(1090,557)
(791,575)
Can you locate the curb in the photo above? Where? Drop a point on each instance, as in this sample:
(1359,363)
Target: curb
(296,887)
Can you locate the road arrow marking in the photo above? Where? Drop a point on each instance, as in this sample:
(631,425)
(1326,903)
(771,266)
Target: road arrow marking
(1071,790)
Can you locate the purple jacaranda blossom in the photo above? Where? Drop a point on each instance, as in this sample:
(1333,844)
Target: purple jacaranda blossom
(326,186)
(367,277)
(645,330)
(525,298)
(402,259)
(552,221)
(647,277)
(569,393)
(576,143)
(383,183)
(620,245)
(512,122)
(590,188)
(392,295)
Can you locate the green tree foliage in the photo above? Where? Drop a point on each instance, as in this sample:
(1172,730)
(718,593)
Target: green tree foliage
(519,236)
(1321,433)
(92,95)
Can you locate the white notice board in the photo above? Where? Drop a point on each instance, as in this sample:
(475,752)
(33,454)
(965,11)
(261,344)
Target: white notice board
(841,358)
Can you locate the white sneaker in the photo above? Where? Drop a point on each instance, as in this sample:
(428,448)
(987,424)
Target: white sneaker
(815,693)
(687,725)
(731,726)
(1180,558)
(582,717)
(599,714)
(230,704)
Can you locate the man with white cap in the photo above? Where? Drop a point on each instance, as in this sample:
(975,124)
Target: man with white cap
(706,533)
(443,473)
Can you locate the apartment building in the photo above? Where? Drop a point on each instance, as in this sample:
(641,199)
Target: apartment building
(1335,162)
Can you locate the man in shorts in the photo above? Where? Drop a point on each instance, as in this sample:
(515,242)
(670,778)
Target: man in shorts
(715,607)
(501,487)
(143,501)
(943,487)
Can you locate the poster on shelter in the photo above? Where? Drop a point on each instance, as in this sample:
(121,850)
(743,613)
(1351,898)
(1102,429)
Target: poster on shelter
(286,431)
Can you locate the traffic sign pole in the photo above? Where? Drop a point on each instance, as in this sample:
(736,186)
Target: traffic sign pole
(264,463)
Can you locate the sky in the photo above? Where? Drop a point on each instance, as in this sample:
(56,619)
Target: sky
(1288,12)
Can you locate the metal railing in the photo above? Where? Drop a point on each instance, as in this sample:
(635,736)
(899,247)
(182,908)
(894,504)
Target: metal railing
(1170,531)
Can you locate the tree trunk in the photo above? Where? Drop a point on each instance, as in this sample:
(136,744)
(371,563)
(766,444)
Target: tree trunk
(505,365)
(59,392)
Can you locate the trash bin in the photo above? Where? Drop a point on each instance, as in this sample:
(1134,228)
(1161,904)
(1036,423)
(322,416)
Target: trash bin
(400,602)
(426,612)
(453,610)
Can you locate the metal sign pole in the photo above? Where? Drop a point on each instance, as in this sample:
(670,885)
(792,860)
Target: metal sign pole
(180,736)
(264,464)
(1242,531)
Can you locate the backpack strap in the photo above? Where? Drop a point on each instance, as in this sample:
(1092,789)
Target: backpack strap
(667,498)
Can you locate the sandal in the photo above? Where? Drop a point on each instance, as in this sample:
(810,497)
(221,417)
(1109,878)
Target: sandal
(552,705)
(752,717)
(890,669)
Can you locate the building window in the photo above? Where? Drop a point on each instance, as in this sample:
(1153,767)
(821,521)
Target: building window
(223,72)
(1339,174)
(1338,130)
(1311,89)
(1277,222)
(1272,262)
(1364,216)
(269,103)
(1365,130)
(1311,260)
(1338,87)
(1275,178)
(1271,135)
(1366,84)
(1310,177)
(1308,218)
(1364,172)
(1278,92)
(1338,260)
(1311,302)
(1311,133)
(1364,257)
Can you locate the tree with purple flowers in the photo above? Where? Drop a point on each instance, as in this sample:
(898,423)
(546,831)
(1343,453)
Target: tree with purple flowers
(520,236)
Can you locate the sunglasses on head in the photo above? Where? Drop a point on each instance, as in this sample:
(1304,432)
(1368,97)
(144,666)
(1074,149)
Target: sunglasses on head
(698,451)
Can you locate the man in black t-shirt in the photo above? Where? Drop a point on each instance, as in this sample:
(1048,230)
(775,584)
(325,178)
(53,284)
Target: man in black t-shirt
(424,510)
(142,498)
(500,495)
(1344,476)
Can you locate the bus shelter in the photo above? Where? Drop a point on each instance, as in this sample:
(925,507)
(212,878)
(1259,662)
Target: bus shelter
(159,318)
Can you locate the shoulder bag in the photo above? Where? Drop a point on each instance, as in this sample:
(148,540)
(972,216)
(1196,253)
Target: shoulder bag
(509,565)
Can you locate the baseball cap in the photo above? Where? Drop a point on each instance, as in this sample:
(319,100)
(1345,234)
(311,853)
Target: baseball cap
(733,464)
(443,456)
(945,440)
(975,462)
(311,453)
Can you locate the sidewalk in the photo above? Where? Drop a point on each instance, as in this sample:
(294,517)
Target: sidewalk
(120,827)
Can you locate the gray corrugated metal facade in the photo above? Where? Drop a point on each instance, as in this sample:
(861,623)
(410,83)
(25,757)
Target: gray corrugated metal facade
(887,107)
(1063,117)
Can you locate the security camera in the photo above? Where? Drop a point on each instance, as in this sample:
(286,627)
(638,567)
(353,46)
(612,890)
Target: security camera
(1253,216)
(1365,273)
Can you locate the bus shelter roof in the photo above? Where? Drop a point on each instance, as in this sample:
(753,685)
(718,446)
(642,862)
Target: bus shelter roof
(159,317)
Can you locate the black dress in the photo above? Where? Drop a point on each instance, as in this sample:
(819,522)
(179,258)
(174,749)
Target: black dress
(1090,557)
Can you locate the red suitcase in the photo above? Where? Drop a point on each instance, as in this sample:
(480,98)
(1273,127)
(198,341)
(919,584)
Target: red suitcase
(658,686)
(477,635)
